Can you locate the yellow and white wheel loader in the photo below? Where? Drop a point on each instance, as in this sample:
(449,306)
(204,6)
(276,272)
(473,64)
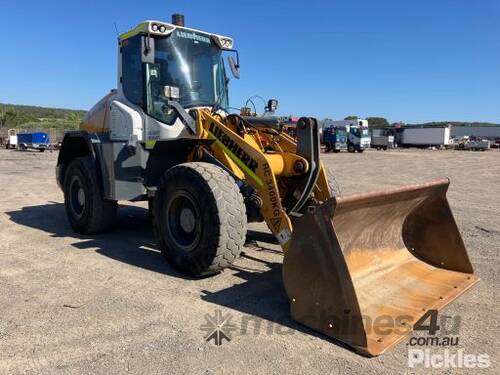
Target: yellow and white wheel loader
(166,135)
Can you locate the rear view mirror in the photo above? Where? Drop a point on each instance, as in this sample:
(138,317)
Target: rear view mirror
(235,67)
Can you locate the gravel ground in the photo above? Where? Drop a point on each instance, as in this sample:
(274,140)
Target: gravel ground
(110,304)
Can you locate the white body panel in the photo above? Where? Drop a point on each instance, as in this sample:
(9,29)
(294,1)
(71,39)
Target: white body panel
(426,136)
(124,121)
(156,130)
(13,140)
(127,119)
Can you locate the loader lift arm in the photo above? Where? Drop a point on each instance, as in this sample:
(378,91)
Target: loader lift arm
(265,158)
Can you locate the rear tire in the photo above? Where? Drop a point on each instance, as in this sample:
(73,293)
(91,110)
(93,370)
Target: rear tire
(199,218)
(88,212)
(360,150)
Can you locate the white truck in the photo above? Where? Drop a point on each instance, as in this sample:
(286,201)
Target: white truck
(426,137)
(358,136)
(11,139)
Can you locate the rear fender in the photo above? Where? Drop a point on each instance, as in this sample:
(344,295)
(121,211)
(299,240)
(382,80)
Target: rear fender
(76,144)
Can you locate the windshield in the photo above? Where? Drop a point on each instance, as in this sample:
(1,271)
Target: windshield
(358,132)
(192,63)
(340,132)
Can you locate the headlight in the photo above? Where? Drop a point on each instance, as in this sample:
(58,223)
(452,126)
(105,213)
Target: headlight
(160,28)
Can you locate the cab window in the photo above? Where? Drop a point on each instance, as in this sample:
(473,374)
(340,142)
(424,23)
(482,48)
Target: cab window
(132,81)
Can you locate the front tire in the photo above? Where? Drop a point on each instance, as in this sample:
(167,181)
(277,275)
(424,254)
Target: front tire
(199,218)
(88,212)
(351,148)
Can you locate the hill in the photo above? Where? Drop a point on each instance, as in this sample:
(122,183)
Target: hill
(33,117)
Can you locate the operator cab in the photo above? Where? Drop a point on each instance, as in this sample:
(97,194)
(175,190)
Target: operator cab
(165,68)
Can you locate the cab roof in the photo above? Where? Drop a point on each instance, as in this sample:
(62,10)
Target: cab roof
(163,29)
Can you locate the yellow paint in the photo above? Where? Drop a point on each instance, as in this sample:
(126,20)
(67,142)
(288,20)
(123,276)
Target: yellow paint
(150,144)
(140,28)
(238,162)
(263,179)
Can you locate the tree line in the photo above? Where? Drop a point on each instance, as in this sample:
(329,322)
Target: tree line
(381,122)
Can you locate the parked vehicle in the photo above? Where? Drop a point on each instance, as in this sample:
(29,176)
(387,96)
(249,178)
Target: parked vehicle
(335,138)
(36,141)
(381,139)
(472,144)
(11,140)
(495,143)
(358,138)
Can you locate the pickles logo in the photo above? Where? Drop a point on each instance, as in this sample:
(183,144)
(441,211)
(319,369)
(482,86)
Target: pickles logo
(233,147)
(218,327)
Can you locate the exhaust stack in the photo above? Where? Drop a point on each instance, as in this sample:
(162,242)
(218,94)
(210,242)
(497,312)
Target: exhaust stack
(178,19)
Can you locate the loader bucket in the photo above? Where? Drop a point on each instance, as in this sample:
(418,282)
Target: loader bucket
(365,268)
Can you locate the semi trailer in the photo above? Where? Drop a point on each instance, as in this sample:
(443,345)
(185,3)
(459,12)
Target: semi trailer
(425,136)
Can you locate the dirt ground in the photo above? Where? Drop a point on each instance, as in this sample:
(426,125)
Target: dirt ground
(110,303)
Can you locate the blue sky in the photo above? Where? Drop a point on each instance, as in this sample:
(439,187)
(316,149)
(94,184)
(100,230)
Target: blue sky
(405,60)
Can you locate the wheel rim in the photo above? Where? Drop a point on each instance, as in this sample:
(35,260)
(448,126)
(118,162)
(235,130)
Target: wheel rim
(183,220)
(77,197)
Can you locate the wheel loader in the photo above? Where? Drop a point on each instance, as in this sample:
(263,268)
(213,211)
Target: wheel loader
(166,136)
